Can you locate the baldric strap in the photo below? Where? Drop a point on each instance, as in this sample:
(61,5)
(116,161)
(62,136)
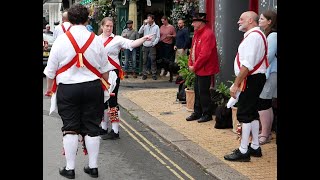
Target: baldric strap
(64,29)
(264,59)
(114,63)
(80,61)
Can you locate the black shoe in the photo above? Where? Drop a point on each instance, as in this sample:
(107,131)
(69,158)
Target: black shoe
(111,135)
(103,132)
(205,118)
(144,77)
(254,152)
(236,155)
(154,77)
(93,172)
(193,117)
(67,173)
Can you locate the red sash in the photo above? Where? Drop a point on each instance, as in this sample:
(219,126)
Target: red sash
(264,58)
(64,29)
(80,61)
(114,63)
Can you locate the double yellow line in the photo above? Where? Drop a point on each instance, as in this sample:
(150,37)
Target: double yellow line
(147,142)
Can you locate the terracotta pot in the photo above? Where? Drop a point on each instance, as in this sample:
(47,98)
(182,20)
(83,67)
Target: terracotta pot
(189,99)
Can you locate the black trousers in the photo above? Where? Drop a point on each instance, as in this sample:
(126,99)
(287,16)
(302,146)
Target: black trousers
(249,98)
(113,100)
(166,54)
(80,107)
(202,103)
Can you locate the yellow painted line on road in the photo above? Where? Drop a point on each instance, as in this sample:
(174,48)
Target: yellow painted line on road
(151,152)
(156,149)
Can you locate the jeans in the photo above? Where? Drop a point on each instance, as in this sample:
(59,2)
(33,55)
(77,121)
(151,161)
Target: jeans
(149,52)
(128,54)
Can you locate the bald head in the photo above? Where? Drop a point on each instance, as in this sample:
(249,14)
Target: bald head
(65,16)
(254,16)
(248,20)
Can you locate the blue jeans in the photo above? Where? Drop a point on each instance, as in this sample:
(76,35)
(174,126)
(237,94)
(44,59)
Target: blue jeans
(130,54)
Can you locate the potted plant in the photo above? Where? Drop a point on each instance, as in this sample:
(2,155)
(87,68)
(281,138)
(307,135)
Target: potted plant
(189,78)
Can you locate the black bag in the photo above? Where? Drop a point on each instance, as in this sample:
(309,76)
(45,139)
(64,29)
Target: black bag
(181,94)
(223,117)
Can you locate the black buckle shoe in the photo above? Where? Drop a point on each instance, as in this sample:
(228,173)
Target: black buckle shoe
(193,117)
(93,172)
(144,77)
(67,173)
(205,118)
(103,132)
(254,152)
(236,155)
(154,77)
(111,135)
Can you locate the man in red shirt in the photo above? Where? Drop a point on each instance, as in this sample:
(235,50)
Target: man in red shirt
(203,61)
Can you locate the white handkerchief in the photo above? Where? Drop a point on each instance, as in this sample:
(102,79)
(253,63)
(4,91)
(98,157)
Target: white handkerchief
(53,105)
(113,82)
(232,101)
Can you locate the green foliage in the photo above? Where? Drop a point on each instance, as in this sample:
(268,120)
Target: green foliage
(221,94)
(187,75)
(223,89)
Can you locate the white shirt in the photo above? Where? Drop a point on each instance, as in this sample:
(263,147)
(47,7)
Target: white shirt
(113,48)
(62,52)
(251,51)
(58,29)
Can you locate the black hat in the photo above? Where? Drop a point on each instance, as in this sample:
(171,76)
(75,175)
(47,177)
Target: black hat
(129,22)
(200,17)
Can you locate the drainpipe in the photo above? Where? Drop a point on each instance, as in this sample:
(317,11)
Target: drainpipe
(202,6)
(132,14)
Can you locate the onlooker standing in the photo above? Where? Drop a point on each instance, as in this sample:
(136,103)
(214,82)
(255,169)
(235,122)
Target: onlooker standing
(80,92)
(268,23)
(167,34)
(63,27)
(250,66)
(131,34)
(182,40)
(203,61)
(149,49)
(88,26)
(47,30)
(112,46)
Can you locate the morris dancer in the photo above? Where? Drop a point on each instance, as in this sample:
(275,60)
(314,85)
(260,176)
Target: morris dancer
(77,71)
(112,46)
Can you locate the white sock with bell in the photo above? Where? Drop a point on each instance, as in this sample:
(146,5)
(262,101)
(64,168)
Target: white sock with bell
(115,127)
(92,145)
(70,146)
(255,134)
(246,129)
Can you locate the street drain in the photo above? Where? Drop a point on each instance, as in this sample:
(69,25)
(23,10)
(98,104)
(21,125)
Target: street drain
(166,113)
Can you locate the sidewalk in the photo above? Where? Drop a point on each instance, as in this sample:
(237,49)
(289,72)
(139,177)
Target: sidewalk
(157,108)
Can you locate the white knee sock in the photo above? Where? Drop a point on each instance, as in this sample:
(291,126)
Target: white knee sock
(246,129)
(70,146)
(92,145)
(104,122)
(115,126)
(255,134)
